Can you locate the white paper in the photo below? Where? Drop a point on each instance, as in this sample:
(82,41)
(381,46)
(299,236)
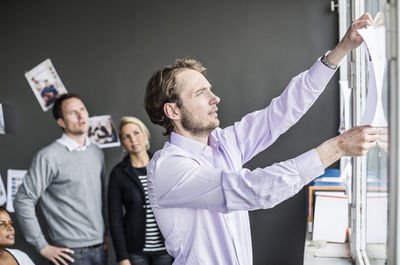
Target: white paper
(14,180)
(45,84)
(375,50)
(377,217)
(3,196)
(345,109)
(2,124)
(102,131)
(331,217)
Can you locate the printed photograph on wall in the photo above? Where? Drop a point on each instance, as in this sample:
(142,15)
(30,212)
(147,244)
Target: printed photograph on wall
(2,124)
(45,84)
(102,131)
(15,177)
(3,195)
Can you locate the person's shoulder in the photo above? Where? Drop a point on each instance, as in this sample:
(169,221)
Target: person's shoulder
(51,149)
(95,148)
(167,149)
(170,150)
(167,156)
(117,168)
(15,251)
(20,256)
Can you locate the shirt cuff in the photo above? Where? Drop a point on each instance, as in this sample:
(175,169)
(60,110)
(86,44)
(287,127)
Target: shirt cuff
(309,166)
(41,244)
(320,74)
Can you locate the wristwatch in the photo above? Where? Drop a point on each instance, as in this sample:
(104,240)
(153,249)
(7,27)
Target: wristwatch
(324,60)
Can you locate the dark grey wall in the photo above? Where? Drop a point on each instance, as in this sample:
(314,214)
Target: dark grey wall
(107,50)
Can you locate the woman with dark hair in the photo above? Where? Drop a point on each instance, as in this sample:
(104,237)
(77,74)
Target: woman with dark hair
(10,256)
(136,237)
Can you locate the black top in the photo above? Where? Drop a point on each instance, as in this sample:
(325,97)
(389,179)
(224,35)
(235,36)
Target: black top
(125,191)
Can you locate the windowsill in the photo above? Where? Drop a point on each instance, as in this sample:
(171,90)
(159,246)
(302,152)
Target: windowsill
(376,254)
(323,253)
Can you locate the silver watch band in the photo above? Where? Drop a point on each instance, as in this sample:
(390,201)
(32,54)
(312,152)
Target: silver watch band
(325,61)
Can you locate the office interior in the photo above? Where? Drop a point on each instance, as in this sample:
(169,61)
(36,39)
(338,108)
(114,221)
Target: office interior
(106,51)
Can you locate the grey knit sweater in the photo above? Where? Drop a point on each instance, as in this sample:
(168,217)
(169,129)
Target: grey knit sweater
(69,189)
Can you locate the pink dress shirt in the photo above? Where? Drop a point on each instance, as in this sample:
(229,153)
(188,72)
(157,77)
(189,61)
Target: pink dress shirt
(201,195)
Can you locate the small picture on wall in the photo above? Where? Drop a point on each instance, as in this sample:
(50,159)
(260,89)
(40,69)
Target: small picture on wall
(102,131)
(3,195)
(2,124)
(15,178)
(45,84)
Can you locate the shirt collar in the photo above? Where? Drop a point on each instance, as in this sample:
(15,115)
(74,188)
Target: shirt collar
(71,144)
(192,146)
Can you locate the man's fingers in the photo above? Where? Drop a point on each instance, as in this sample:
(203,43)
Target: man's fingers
(60,259)
(366,16)
(371,138)
(369,129)
(361,24)
(369,145)
(54,261)
(67,250)
(67,257)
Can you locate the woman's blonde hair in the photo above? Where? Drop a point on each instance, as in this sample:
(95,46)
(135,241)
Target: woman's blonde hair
(129,119)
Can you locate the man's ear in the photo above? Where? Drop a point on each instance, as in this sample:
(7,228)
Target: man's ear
(61,123)
(172,111)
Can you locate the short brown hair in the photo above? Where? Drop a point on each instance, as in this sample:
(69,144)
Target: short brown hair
(57,107)
(162,89)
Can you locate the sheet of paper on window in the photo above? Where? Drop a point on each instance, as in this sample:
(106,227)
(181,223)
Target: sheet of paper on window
(375,49)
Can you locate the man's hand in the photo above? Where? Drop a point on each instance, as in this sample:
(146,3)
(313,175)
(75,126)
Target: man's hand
(351,40)
(124,262)
(354,142)
(358,140)
(57,255)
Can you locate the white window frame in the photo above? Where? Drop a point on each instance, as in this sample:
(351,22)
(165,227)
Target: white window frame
(393,46)
(352,74)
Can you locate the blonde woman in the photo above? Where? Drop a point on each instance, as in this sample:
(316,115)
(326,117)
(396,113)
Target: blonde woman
(136,237)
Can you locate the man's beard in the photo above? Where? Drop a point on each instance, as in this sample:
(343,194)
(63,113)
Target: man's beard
(195,126)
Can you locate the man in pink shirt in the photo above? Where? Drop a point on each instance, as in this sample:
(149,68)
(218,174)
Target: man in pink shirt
(198,189)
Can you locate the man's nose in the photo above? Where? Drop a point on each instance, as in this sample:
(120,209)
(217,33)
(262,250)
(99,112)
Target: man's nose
(215,99)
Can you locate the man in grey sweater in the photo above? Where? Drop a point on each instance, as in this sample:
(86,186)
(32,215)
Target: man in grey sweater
(67,179)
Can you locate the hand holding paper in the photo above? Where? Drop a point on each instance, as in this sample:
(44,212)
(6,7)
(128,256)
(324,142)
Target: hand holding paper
(351,40)
(353,142)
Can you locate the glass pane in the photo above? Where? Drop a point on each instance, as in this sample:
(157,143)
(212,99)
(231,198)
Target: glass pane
(377,175)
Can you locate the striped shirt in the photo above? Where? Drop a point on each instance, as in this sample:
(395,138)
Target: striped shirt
(153,240)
